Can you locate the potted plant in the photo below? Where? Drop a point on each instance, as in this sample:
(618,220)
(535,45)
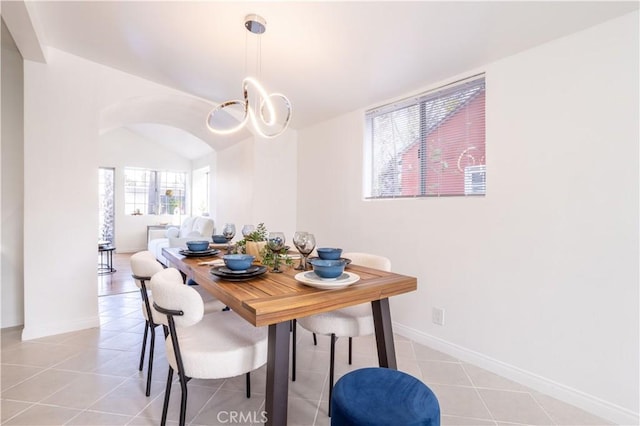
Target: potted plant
(254,243)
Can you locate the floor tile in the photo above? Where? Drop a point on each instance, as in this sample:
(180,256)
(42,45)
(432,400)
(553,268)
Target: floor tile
(84,391)
(123,341)
(460,401)
(45,415)
(88,360)
(90,337)
(404,349)
(410,366)
(342,365)
(11,408)
(564,414)
(13,374)
(514,407)
(40,386)
(124,364)
(119,324)
(463,421)
(365,346)
(443,373)
(128,398)
(38,354)
(485,379)
(144,421)
(229,405)
(302,411)
(238,383)
(312,360)
(94,418)
(91,377)
(425,353)
(308,385)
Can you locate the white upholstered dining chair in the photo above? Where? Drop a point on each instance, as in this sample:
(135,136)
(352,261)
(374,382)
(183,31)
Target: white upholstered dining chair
(213,346)
(352,321)
(143,267)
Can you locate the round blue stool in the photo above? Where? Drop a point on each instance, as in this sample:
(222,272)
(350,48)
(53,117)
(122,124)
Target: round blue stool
(380,396)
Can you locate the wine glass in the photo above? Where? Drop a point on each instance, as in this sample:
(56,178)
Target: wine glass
(307,248)
(299,240)
(229,231)
(247,230)
(275,242)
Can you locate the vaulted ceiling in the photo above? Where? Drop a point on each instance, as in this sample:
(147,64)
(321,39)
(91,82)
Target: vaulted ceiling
(327,57)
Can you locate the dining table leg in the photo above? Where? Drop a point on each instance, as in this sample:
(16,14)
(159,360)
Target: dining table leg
(277,391)
(384,333)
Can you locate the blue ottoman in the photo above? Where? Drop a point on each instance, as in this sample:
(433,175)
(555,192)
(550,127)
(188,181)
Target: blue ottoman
(380,396)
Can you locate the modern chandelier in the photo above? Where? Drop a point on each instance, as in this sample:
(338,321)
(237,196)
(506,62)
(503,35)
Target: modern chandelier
(269,114)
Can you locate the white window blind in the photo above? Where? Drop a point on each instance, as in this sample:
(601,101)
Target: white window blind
(429,145)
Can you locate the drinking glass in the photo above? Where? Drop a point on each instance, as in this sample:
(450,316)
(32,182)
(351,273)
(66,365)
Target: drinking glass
(275,241)
(247,230)
(299,240)
(229,231)
(307,248)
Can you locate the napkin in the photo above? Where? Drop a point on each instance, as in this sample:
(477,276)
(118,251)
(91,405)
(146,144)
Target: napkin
(217,262)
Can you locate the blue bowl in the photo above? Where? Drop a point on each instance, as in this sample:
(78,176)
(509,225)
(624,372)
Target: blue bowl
(198,245)
(328,268)
(329,253)
(238,262)
(219,239)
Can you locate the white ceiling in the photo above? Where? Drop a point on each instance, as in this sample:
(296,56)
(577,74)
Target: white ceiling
(327,57)
(172,138)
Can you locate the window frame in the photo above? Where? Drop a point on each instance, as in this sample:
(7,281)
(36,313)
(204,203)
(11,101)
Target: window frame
(156,198)
(414,124)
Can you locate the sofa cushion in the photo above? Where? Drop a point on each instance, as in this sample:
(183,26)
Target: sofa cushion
(173,232)
(203,226)
(187,227)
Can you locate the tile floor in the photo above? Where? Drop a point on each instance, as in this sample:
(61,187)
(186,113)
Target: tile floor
(91,377)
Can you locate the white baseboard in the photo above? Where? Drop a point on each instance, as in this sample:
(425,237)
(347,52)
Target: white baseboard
(31,332)
(590,403)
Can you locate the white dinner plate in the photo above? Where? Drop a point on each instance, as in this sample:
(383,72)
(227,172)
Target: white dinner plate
(312,280)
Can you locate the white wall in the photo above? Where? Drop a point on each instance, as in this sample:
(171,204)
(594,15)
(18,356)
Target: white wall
(539,279)
(120,148)
(256,182)
(12,199)
(63,102)
(211,161)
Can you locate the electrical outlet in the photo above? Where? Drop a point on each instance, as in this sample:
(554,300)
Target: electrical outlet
(437,316)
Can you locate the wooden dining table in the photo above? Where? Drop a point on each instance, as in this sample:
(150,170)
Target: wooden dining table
(274,299)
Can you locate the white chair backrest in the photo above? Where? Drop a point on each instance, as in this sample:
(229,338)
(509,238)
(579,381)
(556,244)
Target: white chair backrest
(144,264)
(170,293)
(369,260)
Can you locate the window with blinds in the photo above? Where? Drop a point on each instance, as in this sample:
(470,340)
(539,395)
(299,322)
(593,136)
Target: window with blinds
(429,145)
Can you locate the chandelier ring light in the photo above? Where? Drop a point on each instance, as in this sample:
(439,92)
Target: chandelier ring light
(266,115)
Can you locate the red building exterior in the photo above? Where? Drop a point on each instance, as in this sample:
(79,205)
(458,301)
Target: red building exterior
(451,145)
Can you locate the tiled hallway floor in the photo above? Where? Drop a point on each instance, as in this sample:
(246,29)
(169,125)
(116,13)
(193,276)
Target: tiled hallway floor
(91,377)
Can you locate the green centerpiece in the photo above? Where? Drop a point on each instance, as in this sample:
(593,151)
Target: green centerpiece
(255,243)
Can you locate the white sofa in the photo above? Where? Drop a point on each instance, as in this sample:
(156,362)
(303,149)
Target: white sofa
(193,228)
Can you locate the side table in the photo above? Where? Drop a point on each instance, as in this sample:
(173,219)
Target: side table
(105,266)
